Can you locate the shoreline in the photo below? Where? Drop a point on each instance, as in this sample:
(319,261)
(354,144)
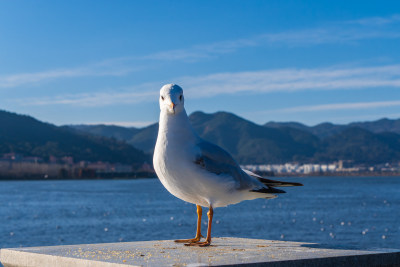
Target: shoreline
(311,175)
(364,174)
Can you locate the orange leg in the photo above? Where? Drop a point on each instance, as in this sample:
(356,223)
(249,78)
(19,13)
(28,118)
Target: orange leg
(206,243)
(198,232)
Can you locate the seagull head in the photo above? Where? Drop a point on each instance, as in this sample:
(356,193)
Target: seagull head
(171,99)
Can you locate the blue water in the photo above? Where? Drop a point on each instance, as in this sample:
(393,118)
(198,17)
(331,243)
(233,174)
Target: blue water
(338,211)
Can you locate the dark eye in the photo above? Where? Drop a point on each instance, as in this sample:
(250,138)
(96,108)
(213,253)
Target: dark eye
(180,97)
(162,97)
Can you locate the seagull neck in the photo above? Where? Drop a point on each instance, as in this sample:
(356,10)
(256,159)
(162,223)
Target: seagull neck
(177,125)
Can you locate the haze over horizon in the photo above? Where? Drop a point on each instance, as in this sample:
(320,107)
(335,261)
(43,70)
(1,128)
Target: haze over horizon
(100,63)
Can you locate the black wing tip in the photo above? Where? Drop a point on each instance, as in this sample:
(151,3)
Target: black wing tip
(276,183)
(297,184)
(268,190)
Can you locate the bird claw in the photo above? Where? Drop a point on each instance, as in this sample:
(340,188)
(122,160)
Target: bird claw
(190,241)
(199,244)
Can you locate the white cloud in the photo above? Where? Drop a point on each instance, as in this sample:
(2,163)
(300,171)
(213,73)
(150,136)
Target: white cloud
(377,20)
(92,99)
(340,106)
(256,82)
(369,117)
(202,51)
(346,32)
(287,80)
(339,32)
(111,67)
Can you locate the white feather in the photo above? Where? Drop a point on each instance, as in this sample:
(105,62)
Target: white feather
(193,169)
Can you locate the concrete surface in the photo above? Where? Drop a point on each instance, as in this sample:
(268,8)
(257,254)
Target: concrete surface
(224,251)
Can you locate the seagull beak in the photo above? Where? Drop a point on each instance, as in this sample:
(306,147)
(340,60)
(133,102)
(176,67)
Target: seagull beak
(172,106)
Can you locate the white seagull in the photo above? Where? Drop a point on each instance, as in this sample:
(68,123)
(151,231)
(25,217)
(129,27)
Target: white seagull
(200,172)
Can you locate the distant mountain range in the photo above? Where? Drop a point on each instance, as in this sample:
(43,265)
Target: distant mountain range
(30,137)
(327,129)
(276,142)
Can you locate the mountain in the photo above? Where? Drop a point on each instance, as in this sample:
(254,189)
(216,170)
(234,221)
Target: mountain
(274,142)
(110,131)
(249,143)
(361,146)
(30,137)
(146,138)
(320,130)
(327,129)
(252,143)
(143,138)
(379,126)
(290,124)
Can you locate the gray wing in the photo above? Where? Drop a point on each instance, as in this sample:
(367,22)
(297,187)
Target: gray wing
(216,160)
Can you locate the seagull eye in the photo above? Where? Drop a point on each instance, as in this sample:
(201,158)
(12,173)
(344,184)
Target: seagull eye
(162,97)
(180,97)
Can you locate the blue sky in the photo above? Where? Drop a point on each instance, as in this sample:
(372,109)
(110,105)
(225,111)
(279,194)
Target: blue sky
(104,61)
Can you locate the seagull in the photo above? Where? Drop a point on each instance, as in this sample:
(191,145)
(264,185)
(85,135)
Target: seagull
(198,171)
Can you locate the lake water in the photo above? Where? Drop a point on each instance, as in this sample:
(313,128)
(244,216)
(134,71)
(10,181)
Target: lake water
(337,211)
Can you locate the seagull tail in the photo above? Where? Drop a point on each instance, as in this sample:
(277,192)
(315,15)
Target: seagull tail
(269,190)
(271,183)
(266,192)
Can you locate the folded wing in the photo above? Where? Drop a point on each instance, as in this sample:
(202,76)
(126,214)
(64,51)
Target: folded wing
(216,160)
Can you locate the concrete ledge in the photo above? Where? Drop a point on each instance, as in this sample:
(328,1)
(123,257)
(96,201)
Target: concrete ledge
(224,252)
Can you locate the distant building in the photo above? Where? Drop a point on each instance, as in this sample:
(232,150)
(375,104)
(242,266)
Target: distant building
(122,168)
(12,156)
(53,159)
(68,160)
(35,160)
(146,167)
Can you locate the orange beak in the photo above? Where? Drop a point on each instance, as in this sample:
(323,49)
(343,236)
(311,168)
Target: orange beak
(172,106)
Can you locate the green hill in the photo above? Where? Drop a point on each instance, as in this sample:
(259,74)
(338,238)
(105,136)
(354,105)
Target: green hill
(361,146)
(30,137)
(252,143)
(110,131)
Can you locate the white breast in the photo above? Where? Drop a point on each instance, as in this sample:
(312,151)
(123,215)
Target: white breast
(187,181)
(174,156)
(171,163)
